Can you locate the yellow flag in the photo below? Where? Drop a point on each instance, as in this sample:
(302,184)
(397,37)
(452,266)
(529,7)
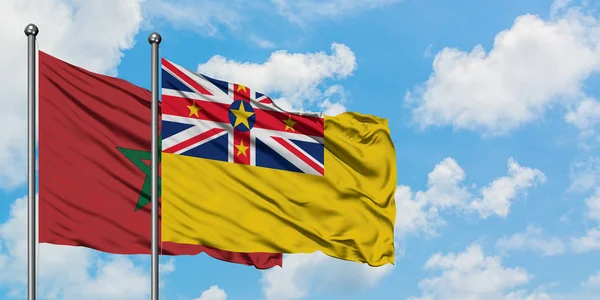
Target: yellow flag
(346,209)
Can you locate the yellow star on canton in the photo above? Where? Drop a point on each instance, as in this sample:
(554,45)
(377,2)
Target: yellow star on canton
(241,116)
(241,148)
(241,88)
(193,109)
(289,124)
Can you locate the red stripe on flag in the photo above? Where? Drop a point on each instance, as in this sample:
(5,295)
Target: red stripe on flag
(209,111)
(274,120)
(299,154)
(193,140)
(241,92)
(241,145)
(200,89)
(266,101)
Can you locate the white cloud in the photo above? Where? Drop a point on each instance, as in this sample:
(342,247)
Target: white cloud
(261,42)
(585,175)
(335,98)
(91,34)
(533,65)
(68,272)
(446,190)
(301,11)
(472,275)
(534,240)
(214,18)
(559,6)
(305,273)
(428,51)
(586,116)
(419,212)
(201,16)
(593,282)
(589,242)
(332,109)
(298,78)
(524,295)
(168,266)
(590,290)
(213,293)
(496,196)
(593,206)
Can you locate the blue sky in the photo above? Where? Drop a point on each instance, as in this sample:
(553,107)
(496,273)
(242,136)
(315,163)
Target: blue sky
(492,106)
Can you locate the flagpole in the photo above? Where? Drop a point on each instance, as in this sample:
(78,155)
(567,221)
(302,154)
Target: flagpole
(31,32)
(154,39)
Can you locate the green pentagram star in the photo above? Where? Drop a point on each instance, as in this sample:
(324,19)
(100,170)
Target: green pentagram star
(137,157)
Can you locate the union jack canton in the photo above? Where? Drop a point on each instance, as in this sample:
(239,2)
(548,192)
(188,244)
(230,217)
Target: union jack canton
(207,118)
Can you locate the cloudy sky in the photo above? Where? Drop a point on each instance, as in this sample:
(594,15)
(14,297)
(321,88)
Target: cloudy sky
(493,107)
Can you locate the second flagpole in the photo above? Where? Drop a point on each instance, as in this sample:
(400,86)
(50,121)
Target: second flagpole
(31,32)
(154,39)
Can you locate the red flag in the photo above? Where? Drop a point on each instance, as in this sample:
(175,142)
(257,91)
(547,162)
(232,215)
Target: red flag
(94,158)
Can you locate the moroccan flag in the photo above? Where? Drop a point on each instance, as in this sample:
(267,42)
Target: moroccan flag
(279,181)
(94,166)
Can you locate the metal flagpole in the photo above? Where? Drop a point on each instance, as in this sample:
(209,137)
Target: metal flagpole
(154,39)
(31,32)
